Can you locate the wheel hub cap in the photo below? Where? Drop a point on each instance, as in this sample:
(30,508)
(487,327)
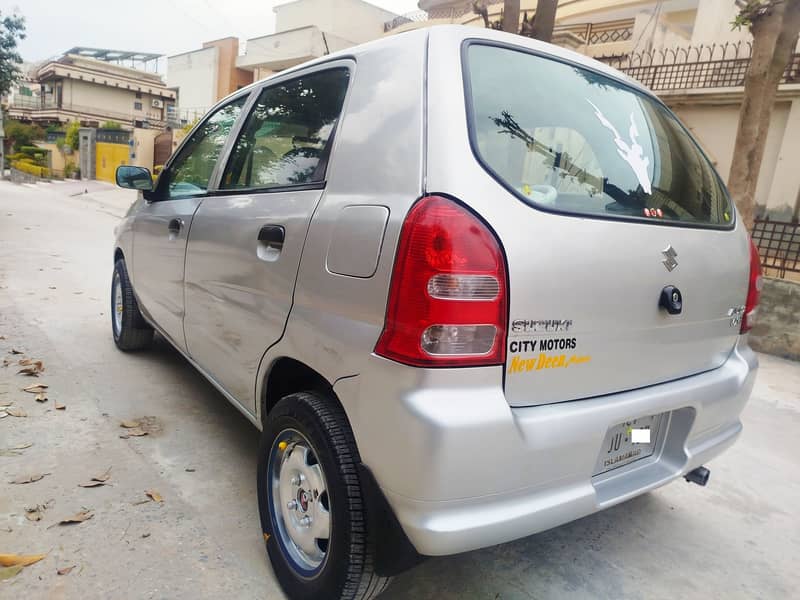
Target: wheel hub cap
(300,501)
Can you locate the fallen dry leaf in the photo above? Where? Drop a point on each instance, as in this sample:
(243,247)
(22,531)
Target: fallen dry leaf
(91,484)
(15,351)
(65,570)
(60,406)
(22,362)
(36,388)
(154,495)
(80,517)
(5,404)
(29,478)
(33,513)
(104,477)
(16,412)
(41,397)
(136,432)
(22,446)
(9,572)
(23,560)
(129,424)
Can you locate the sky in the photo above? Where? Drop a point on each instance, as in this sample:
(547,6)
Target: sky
(160,26)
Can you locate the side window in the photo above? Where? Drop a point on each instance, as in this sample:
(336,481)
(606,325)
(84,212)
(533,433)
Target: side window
(285,140)
(190,173)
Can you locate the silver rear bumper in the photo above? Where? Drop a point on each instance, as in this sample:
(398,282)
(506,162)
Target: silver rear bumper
(463,470)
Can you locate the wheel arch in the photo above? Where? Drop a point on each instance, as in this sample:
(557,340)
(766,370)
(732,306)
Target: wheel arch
(286,376)
(118,255)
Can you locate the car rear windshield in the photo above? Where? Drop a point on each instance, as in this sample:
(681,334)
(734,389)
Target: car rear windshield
(572,140)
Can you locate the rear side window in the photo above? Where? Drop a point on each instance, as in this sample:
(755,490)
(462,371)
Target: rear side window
(285,140)
(571,140)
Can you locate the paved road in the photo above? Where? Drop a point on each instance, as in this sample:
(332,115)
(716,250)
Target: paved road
(737,538)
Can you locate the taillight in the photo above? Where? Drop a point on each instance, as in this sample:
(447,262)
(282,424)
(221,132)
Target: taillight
(753,290)
(447,300)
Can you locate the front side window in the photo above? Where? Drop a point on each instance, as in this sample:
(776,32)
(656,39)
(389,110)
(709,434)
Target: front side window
(571,140)
(285,140)
(191,171)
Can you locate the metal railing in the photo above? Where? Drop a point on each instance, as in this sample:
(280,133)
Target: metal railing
(694,67)
(778,244)
(32,104)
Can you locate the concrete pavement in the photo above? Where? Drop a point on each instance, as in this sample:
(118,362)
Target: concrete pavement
(737,538)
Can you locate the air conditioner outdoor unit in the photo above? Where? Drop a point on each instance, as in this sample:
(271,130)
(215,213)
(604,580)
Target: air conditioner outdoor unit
(158,103)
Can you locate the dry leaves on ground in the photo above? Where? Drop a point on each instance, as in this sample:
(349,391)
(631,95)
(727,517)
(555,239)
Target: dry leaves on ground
(15,351)
(36,388)
(129,424)
(22,560)
(97,480)
(136,432)
(60,406)
(22,479)
(80,517)
(15,450)
(41,397)
(31,368)
(35,513)
(14,411)
(154,495)
(65,570)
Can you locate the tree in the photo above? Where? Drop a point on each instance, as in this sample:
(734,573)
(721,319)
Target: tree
(21,134)
(544,20)
(540,26)
(12,29)
(775,25)
(72,137)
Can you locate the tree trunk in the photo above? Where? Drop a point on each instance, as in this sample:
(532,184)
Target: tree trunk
(544,20)
(774,38)
(511,16)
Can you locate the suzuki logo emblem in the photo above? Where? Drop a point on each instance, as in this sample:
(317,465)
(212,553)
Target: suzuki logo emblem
(669,261)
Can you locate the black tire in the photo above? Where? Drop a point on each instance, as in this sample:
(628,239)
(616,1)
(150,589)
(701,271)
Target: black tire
(347,571)
(133,332)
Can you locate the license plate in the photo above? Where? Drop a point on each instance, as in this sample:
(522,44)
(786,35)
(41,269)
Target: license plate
(628,442)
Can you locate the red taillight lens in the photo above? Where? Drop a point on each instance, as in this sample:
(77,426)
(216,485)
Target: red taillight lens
(753,290)
(447,301)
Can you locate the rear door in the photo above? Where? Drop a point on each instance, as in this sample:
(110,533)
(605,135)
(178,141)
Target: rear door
(162,225)
(246,240)
(603,203)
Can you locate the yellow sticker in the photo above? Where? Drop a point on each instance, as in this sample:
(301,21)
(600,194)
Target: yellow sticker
(526,189)
(282,446)
(562,361)
(726,216)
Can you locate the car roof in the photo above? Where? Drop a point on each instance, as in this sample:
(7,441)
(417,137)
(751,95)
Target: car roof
(456,34)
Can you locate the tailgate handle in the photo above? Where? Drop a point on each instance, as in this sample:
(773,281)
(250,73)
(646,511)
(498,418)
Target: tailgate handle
(671,300)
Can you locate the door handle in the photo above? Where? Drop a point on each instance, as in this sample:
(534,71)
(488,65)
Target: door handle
(272,236)
(175,226)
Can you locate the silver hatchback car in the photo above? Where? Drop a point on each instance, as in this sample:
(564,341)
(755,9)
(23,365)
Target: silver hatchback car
(417,260)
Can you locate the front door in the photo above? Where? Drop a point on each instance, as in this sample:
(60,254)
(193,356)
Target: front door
(162,226)
(246,241)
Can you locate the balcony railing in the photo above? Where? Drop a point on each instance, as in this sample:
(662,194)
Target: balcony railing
(33,106)
(695,67)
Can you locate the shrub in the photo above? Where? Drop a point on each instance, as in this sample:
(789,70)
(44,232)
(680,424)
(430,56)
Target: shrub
(72,137)
(26,166)
(111,125)
(69,169)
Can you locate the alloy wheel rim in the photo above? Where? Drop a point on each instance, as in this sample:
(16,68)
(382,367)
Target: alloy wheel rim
(299,502)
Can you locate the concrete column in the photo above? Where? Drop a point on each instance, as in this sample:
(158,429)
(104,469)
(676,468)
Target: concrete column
(88,137)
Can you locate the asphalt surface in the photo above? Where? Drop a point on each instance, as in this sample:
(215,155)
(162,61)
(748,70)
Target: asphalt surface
(737,538)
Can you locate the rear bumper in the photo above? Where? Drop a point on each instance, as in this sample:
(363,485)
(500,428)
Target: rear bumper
(462,470)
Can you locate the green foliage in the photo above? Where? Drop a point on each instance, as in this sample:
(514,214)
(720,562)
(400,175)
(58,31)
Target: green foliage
(26,166)
(12,29)
(22,134)
(70,169)
(73,138)
(752,11)
(111,125)
(32,154)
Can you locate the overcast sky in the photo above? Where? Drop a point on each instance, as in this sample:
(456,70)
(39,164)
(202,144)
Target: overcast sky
(160,26)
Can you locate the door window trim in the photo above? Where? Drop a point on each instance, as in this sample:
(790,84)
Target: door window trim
(347,62)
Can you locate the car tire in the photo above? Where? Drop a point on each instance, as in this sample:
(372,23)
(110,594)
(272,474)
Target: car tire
(313,427)
(130,330)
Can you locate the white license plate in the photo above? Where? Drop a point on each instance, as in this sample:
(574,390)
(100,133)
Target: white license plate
(628,442)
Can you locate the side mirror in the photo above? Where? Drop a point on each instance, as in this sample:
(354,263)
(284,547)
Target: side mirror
(134,178)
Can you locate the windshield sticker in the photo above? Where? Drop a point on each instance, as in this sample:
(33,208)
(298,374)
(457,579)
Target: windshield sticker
(632,153)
